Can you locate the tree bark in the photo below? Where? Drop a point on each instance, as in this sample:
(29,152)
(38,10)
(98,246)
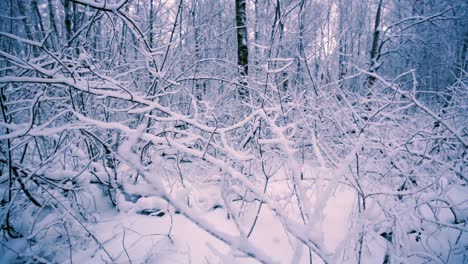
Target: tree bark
(242,48)
(375,44)
(68,20)
(151,23)
(24,13)
(52,19)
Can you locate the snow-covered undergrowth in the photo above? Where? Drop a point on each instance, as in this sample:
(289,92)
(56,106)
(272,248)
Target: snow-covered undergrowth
(134,132)
(395,190)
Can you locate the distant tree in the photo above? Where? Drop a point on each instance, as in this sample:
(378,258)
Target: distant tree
(242,47)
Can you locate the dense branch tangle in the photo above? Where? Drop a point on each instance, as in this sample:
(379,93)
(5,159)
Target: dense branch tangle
(184,140)
(113,95)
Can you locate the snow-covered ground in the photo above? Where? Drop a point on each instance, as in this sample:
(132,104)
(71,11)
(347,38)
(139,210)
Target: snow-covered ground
(148,230)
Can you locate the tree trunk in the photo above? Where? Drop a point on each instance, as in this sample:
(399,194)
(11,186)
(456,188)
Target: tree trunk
(242,48)
(24,14)
(68,20)
(199,87)
(375,44)
(342,43)
(151,23)
(52,19)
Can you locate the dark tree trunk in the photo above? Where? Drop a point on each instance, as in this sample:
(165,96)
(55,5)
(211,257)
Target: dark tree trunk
(242,48)
(375,44)
(68,20)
